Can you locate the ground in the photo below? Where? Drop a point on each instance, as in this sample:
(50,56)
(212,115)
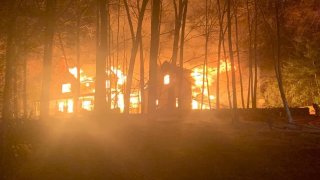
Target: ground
(171,148)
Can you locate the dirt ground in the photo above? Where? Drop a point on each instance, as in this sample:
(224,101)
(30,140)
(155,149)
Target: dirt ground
(190,148)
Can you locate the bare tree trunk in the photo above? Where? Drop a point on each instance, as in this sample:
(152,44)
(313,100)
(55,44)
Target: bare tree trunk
(234,90)
(142,78)
(100,102)
(135,45)
(15,88)
(117,63)
(219,56)
(77,105)
(227,73)
(184,19)
(250,83)
(255,82)
(205,64)
(47,58)
(177,28)
(154,50)
(7,111)
(109,62)
(25,93)
(238,55)
(142,92)
(78,83)
(278,64)
(124,62)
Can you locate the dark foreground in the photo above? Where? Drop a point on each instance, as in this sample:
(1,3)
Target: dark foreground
(193,148)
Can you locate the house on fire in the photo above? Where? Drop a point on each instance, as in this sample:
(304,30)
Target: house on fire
(170,95)
(175,88)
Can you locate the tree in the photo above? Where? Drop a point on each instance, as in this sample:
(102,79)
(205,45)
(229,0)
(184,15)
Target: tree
(220,17)
(154,50)
(234,90)
(102,44)
(47,57)
(238,53)
(255,81)
(182,42)
(7,111)
(205,61)
(250,80)
(142,94)
(277,62)
(178,17)
(79,13)
(136,38)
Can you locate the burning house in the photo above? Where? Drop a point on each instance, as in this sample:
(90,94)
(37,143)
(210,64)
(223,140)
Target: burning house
(68,93)
(177,89)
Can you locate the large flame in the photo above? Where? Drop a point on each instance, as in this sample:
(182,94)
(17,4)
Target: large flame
(208,74)
(116,88)
(83,77)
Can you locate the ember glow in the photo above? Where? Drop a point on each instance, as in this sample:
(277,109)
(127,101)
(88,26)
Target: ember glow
(115,85)
(203,82)
(83,77)
(66,88)
(166,79)
(116,79)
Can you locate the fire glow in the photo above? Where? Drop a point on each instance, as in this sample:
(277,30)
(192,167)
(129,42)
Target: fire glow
(204,77)
(86,102)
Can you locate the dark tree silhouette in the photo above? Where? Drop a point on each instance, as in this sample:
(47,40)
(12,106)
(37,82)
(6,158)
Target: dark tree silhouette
(102,44)
(136,38)
(277,63)
(7,111)
(47,57)
(234,90)
(154,50)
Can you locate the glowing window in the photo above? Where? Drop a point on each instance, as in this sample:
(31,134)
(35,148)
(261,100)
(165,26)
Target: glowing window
(166,79)
(195,104)
(61,106)
(134,101)
(66,88)
(86,105)
(70,106)
(121,102)
(107,84)
(177,102)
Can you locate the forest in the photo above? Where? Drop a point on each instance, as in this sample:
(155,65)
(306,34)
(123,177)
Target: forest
(241,54)
(148,58)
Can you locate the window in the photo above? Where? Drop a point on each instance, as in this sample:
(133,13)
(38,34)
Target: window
(86,104)
(66,88)
(166,79)
(70,105)
(107,84)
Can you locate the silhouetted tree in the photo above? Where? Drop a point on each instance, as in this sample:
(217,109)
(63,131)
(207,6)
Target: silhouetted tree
(136,38)
(238,52)
(154,50)
(100,103)
(7,111)
(47,57)
(234,90)
(278,63)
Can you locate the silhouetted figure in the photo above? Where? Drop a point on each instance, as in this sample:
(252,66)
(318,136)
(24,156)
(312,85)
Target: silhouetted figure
(316,109)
